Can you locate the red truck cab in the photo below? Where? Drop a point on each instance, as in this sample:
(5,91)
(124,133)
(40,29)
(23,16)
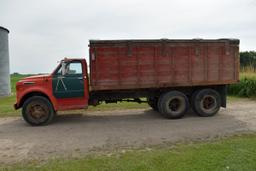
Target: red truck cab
(65,88)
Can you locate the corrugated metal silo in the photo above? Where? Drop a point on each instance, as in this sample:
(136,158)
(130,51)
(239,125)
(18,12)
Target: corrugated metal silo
(5,86)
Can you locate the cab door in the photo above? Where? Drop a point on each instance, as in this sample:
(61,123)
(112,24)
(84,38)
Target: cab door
(69,88)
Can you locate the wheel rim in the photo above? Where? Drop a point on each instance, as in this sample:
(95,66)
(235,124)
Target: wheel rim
(176,105)
(208,103)
(37,112)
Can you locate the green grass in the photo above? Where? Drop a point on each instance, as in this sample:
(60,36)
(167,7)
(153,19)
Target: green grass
(6,106)
(246,87)
(233,153)
(6,103)
(118,106)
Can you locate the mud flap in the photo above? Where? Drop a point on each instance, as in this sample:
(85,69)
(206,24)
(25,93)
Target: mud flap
(223,93)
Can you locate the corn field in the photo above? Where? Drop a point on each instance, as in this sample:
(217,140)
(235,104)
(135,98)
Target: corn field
(246,87)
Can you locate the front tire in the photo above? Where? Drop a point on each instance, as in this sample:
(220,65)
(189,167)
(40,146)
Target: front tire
(173,105)
(206,102)
(38,111)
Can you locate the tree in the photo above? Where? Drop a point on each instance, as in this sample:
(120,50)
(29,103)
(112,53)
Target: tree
(248,60)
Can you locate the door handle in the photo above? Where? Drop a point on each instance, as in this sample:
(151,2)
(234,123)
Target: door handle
(81,78)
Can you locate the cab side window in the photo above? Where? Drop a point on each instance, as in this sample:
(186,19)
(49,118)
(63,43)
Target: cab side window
(74,68)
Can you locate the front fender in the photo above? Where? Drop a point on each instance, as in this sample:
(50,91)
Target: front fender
(31,91)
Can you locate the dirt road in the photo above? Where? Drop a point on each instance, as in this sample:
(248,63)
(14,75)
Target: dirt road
(76,134)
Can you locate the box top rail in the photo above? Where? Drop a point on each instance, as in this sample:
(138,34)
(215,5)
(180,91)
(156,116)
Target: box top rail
(231,40)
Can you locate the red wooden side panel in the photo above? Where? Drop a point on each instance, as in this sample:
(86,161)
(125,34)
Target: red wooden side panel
(197,63)
(120,65)
(181,64)
(213,63)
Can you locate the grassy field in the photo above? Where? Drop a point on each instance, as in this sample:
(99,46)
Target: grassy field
(6,103)
(246,86)
(233,153)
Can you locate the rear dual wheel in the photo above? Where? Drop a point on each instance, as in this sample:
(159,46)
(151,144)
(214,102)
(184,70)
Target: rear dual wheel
(206,102)
(173,104)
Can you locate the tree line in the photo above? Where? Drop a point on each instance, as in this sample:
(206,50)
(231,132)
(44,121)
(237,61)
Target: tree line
(248,60)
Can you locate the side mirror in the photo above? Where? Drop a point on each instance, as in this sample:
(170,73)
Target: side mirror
(63,68)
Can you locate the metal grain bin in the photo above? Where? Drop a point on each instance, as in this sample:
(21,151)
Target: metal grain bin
(5,86)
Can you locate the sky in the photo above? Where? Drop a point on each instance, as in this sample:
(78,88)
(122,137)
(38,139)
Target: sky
(44,32)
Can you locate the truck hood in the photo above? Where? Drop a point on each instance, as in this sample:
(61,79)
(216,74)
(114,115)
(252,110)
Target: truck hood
(35,77)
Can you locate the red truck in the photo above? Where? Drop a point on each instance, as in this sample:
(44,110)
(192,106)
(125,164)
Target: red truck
(173,75)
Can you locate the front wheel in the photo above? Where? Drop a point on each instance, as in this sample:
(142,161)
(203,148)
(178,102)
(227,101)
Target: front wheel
(37,111)
(206,102)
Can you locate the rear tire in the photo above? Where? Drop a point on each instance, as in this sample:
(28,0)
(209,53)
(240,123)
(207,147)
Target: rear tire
(152,102)
(206,102)
(38,111)
(173,105)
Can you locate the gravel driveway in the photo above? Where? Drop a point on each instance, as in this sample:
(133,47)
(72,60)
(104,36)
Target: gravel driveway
(79,134)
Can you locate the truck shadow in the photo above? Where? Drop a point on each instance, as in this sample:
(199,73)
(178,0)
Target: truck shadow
(141,117)
(125,115)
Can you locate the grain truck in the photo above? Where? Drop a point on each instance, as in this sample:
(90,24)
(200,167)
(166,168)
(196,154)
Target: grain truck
(171,75)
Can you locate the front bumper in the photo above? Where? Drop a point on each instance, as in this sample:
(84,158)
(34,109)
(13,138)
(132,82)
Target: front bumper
(16,106)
